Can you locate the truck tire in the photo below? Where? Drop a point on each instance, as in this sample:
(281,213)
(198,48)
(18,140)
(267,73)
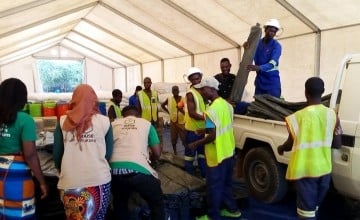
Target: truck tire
(264,176)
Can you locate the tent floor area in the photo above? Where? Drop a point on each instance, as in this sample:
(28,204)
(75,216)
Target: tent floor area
(334,206)
(192,205)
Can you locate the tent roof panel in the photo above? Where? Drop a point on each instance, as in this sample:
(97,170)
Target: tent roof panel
(91,54)
(171,23)
(40,14)
(100,48)
(101,35)
(331,13)
(35,40)
(30,50)
(136,31)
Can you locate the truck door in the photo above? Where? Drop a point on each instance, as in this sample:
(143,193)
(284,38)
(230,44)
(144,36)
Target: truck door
(346,161)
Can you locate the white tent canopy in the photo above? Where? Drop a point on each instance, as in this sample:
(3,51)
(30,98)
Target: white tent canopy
(123,41)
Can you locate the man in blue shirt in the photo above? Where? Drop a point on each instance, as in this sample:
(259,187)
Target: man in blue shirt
(133,99)
(266,61)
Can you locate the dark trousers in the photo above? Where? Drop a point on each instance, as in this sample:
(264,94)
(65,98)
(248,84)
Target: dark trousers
(147,186)
(219,191)
(50,207)
(310,193)
(190,154)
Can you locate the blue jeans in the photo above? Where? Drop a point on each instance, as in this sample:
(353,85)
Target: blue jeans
(219,193)
(146,185)
(190,154)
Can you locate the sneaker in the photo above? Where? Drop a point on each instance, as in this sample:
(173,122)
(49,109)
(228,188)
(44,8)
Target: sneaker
(204,217)
(226,213)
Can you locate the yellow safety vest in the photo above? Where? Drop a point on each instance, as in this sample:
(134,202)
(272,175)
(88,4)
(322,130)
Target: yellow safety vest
(116,108)
(174,113)
(190,123)
(312,130)
(149,106)
(221,114)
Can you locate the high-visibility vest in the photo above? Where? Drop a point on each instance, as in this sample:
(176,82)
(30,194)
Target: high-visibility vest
(221,114)
(116,108)
(312,129)
(194,124)
(174,113)
(149,106)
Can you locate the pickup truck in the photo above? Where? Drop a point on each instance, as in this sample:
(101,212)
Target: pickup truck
(257,139)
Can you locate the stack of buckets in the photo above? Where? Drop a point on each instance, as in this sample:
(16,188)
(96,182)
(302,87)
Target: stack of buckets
(52,108)
(47,108)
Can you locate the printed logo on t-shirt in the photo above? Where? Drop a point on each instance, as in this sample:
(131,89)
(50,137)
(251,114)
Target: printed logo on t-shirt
(88,136)
(129,124)
(4,132)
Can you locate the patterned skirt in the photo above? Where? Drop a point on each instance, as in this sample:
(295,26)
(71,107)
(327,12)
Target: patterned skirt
(86,203)
(16,188)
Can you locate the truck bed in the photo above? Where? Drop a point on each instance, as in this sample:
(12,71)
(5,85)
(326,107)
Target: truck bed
(272,132)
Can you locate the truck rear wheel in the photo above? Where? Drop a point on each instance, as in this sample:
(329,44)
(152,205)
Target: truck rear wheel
(264,176)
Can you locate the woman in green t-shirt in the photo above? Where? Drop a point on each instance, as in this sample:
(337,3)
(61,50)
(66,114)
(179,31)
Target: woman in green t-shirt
(18,157)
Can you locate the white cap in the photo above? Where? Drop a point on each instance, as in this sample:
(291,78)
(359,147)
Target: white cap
(193,70)
(273,23)
(209,82)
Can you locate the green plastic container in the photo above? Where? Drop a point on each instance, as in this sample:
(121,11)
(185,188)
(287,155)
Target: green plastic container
(35,109)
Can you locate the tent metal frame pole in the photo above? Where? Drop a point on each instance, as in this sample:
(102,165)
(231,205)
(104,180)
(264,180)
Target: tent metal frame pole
(142,73)
(126,79)
(162,70)
(312,26)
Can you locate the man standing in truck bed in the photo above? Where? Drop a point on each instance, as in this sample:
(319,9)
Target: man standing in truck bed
(312,132)
(266,60)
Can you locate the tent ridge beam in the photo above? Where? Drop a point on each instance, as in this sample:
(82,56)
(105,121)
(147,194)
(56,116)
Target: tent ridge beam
(298,15)
(342,27)
(86,57)
(201,23)
(102,55)
(105,46)
(121,38)
(311,25)
(145,28)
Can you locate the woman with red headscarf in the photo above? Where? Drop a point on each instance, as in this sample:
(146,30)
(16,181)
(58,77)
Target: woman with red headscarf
(83,142)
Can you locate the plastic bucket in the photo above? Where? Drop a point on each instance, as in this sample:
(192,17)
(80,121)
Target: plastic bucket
(35,109)
(61,109)
(102,108)
(48,108)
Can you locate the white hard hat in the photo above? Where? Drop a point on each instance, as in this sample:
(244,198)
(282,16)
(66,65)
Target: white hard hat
(273,22)
(209,82)
(193,70)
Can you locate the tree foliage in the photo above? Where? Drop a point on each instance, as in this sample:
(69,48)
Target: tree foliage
(60,75)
